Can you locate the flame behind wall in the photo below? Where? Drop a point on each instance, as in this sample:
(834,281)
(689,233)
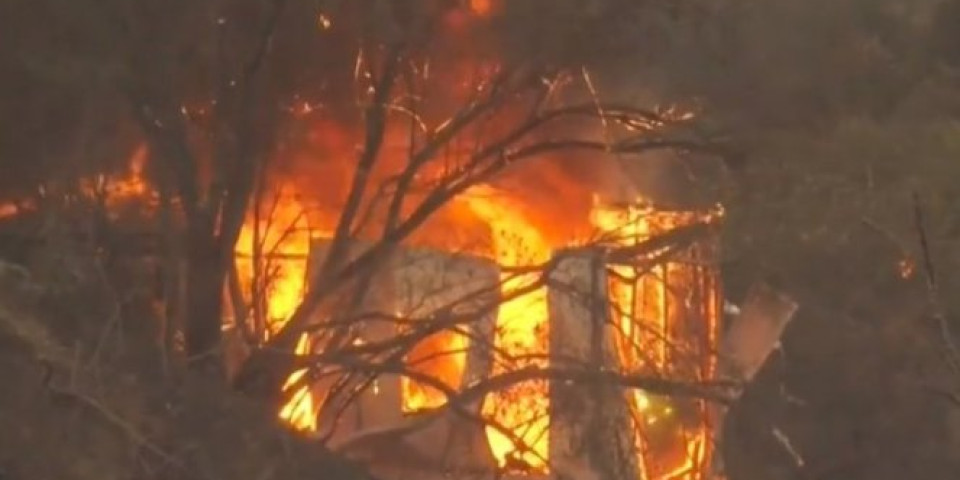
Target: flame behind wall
(522,330)
(271,261)
(667,321)
(653,312)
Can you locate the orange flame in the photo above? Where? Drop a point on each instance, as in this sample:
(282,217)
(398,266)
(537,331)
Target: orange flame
(271,259)
(133,185)
(300,412)
(441,356)
(647,307)
(522,332)
(521,337)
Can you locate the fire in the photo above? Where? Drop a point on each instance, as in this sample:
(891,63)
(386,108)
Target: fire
(521,334)
(650,308)
(271,259)
(300,412)
(133,185)
(114,190)
(673,437)
(441,356)
(130,187)
(630,226)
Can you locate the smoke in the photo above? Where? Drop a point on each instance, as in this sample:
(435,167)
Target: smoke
(595,42)
(317,76)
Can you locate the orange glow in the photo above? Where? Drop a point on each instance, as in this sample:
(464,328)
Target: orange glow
(630,226)
(300,412)
(271,259)
(130,187)
(133,185)
(652,308)
(522,331)
(693,460)
(8,210)
(441,356)
(481,7)
(323,21)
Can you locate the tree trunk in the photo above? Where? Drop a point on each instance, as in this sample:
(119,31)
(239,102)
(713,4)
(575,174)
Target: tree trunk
(205,277)
(591,437)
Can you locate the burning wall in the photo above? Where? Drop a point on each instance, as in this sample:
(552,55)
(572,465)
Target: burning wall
(430,281)
(658,321)
(590,428)
(666,316)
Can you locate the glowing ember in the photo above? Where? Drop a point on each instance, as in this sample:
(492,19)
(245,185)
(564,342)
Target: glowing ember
(521,334)
(8,210)
(323,22)
(905,266)
(133,185)
(113,190)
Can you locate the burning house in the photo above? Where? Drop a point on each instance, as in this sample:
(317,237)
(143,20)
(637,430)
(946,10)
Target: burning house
(496,307)
(524,309)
